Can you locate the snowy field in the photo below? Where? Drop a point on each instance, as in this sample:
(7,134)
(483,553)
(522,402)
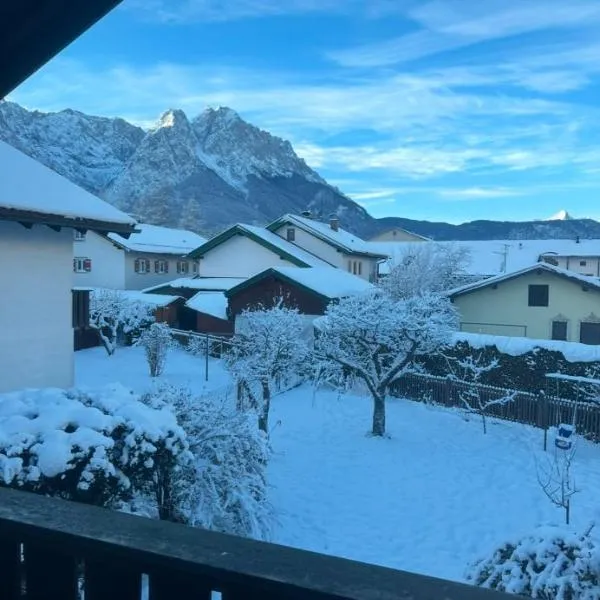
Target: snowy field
(430,499)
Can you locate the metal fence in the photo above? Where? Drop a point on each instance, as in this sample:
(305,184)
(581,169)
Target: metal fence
(539,410)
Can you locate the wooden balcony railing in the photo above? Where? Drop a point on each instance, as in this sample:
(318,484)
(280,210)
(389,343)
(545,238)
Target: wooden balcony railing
(51,549)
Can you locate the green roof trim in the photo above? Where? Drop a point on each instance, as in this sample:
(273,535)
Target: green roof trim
(277,275)
(241,230)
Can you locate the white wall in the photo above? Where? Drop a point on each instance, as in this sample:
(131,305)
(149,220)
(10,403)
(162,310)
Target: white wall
(108,263)
(239,256)
(140,281)
(330,254)
(36,335)
(573,263)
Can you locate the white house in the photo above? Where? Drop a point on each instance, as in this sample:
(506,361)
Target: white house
(331,243)
(152,256)
(244,250)
(39,211)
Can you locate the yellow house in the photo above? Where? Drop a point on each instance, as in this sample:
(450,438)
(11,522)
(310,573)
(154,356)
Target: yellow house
(540,301)
(397,234)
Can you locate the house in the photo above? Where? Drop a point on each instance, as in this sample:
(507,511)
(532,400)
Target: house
(539,301)
(244,250)
(39,211)
(581,256)
(149,257)
(398,234)
(308,290)
(331,243)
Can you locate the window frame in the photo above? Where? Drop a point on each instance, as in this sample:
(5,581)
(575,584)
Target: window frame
(290,234)
(183,267)
(79,236)
(161,266)
(79,264)
(561,322)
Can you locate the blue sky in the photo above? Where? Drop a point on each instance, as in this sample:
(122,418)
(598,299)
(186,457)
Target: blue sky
(448,110)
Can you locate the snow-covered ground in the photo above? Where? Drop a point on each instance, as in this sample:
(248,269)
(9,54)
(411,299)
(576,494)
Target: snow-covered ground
(128,366)
(436,495)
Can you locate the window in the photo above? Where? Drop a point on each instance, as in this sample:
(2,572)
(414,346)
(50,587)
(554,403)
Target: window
(582,263)
(82,265)
(183,266)
(194,267)
(589,333)
(359,267)
(161,266)
(79,236)
(538,295)
(349,266)
(142,265)
(559,330)
(290,234)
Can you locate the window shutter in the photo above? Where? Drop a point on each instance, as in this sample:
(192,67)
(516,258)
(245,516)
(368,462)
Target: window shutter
(87,265)
(166,266)
(75,265)
(136,265)
(147,265)
(156,265)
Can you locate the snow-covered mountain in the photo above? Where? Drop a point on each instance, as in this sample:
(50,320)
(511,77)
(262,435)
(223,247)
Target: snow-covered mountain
(202,174)
(561,215)
(212,171)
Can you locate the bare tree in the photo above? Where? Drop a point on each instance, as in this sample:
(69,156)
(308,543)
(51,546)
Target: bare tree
(376,339)
(426,267)
(556,479)
(468,372)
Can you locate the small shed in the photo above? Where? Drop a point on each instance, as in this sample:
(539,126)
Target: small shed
(210,311)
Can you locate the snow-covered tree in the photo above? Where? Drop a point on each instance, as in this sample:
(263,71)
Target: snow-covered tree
(550,564)
(270,347)
(426,267)
(156,341)
(112,313)
(556,479)
(469,372)
(224,488)
(376,339)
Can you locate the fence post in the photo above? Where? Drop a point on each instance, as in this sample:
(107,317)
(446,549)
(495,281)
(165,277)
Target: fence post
(544,417)
(206,363)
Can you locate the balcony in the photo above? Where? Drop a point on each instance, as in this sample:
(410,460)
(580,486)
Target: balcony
(49,548)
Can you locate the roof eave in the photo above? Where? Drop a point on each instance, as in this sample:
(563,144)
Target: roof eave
(27,217)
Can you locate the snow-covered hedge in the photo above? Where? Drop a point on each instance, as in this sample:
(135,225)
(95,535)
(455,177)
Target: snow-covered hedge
(522,363)
(225,488)
(97,447)
(551,563)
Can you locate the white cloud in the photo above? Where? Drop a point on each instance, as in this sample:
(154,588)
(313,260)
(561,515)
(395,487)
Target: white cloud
(447,25)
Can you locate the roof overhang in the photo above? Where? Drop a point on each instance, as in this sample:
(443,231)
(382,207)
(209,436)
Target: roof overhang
(30,218)
(34,31)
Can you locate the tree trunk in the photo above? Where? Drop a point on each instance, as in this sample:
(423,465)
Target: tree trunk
(483,420)
(263,418)
(378,415)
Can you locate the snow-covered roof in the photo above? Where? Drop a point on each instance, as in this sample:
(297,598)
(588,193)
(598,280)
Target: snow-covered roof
(156,300)
(340,238)
(487,257)
(160,240)
(30,191)
(266,238)
(210,303)
(200,283)
(328,282)
(575,277)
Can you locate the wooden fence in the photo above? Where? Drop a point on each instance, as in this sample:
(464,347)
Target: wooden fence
(539,410)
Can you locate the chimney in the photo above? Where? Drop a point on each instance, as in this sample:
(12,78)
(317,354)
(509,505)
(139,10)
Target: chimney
(306,214)
(334,222)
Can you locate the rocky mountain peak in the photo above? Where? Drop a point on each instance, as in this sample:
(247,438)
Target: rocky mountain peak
(174,118)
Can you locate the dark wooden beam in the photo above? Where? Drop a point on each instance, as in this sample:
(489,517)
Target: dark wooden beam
(26,225)
(56,228)
(34,31)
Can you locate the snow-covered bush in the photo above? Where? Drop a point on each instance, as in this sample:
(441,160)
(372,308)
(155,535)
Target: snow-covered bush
(112,313)
(156,341)
(225,488)
(377,339)
(551,564)
(426,268)
(270,347)
(92,447)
